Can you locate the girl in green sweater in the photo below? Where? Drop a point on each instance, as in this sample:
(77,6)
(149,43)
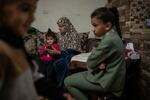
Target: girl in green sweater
(110,52)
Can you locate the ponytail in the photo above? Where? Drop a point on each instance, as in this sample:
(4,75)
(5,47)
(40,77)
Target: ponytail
(116,20)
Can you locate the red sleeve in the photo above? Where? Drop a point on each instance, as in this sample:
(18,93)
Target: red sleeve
(56,46)
(42,49)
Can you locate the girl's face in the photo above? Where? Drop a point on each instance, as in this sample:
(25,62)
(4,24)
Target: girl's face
(18,16)
(49,40)
(99,27)
(61,28)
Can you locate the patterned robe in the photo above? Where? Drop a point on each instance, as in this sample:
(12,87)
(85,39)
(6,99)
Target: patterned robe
(70,39)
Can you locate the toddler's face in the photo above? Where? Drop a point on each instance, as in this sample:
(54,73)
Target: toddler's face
(18,15)
(49,40)
(99,27)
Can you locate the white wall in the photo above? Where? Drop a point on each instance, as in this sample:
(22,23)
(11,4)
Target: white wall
(78,11)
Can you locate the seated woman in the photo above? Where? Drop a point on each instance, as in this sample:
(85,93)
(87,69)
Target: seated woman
(68,36)
(69,41)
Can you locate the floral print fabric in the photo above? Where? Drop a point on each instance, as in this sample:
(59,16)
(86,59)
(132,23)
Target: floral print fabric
(70,39)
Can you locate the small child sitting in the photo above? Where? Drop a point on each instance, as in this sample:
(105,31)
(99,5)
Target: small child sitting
(48,51)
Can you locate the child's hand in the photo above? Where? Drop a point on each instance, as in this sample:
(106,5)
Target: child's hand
(102,66)
(50,51)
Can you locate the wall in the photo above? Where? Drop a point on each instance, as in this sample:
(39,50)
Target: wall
(78,11)
(141,38)
(133,15)
(124,13)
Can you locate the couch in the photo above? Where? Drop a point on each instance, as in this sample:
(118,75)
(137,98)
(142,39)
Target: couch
(35,38)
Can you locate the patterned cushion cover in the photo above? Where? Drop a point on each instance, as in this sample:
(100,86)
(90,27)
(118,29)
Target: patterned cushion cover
(84,39)
(35,38)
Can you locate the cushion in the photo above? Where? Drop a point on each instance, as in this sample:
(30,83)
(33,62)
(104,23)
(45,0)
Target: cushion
(33,40)
(92,43)
(84,38)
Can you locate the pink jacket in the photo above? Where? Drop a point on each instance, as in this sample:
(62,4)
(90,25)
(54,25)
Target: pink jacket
(44,55)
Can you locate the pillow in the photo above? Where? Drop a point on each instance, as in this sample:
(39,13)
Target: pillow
(84,38)
(92,43)
(33,40)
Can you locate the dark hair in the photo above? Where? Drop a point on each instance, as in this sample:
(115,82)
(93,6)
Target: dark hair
(117,24)
(52,34)
(5,2)
(2,4)
(108,15)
